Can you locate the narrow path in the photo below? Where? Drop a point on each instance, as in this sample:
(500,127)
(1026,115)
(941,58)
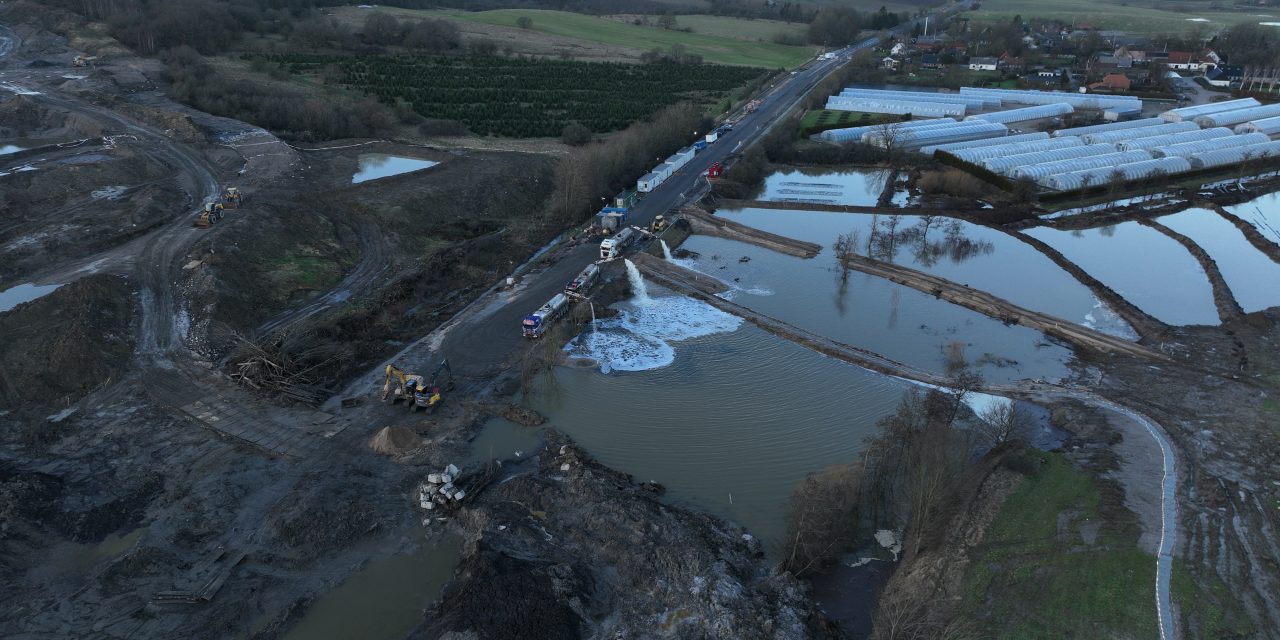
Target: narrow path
(1228,309)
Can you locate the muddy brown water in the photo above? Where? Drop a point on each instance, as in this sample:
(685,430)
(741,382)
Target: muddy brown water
(384,600)
(374,166)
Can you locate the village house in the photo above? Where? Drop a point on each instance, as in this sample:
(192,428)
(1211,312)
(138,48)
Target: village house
(983,64)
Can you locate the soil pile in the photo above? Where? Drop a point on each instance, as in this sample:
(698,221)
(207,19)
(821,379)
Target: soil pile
(393,441)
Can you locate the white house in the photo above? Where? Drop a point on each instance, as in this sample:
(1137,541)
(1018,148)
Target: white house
(983,64)
(899,49)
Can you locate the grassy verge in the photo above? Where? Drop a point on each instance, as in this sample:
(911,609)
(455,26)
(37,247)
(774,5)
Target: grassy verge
(1060,561)
(712,48)
(1207,607)
(725,27)
(1141,16)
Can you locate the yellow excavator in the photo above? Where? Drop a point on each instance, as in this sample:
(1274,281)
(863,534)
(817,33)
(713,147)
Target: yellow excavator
(415,390)
(231,197)
(83,60)
(659,223)
(210,215)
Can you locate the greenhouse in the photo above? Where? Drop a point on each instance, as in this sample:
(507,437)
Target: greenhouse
(1213,144)
(916,138)
(974,103)
(1133,134)
(1026,114)
(986,142)
(1191,113)
(1080,101)
(1015,148)
(1269,126)
(1237,155)
(1174,138)
(1111,126)
(1039,172)
(1005,164)
(895,107)
(850,134)
(1131,171)
(1238,116)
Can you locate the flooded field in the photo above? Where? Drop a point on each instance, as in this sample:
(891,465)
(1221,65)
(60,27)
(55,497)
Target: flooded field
(12,297)
(502,439)
(870,312)
(1263,213)
(380,165)
(731,422)
(855,187)
(1148,268)
(384,600)
(1254,278)
(953,249)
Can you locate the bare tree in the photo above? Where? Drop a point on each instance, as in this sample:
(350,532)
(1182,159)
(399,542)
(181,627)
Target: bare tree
(1003,422)
(822,518)
(845,247)
(889,136)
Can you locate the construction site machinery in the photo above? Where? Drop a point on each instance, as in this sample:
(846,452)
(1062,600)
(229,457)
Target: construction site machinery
(400,385)
(83,60)
(231,197)
(613,247)
(210,215)
(715,170)
(537,323)
(430,395)
(659,223)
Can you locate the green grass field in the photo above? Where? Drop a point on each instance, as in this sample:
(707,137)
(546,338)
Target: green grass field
(722,27)
(1058,563)
(712,48)
(1137,17)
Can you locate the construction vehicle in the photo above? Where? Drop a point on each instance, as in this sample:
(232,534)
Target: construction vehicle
(83,61)
(613,247)
(715,170)
(537,323)
(231,197)
(580,285)
(210,215)
(659,223)
(415,390)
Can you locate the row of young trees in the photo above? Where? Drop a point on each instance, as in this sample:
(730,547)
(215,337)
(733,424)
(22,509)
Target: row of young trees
(836,26)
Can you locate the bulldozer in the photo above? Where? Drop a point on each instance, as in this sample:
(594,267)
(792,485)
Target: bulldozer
(231,197)
(210,215)
(415,390)
(83,60)
(659,223)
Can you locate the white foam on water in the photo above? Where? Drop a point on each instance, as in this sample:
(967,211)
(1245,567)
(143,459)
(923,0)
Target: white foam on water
(666,251)
(1103,319)
(640,338)
(22,91)
(734,287)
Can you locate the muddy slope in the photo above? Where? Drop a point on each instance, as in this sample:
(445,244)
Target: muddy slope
(589,553)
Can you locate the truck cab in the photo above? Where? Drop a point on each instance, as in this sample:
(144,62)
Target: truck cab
(537,323)
(613,247)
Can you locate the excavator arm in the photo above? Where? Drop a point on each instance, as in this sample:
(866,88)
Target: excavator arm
(395,382)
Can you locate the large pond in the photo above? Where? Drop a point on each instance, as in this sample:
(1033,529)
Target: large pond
(959,251)
(857,187)
(728,417)
(1263,213)
(1254,278)
(380,165)
(865,311)
(384,600)
(1148,268)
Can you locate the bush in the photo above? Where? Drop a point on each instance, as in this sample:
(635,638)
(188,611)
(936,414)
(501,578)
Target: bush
(953,182)
(436,127)
(575,134)
(524,22)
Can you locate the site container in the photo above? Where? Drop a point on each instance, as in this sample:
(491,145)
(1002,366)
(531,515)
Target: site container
(648,182)
(1195,111)
(1039,172)
(1186,149)
(986,142)
(1173,138)
(1131,171)
(1015,148)
(1004,164)
(1110,126)
(1237,155)
(896,107)
(1133,134)
(1026,114)
(1238,116)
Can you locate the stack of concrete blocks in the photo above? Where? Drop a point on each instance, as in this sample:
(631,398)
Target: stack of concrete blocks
(438,490)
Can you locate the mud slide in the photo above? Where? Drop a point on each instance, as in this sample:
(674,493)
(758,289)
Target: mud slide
(711,225)
(1259,241)
(1228,309)
(1147,326)
(1001,309)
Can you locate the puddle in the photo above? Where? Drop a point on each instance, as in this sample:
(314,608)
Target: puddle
(12,297)
(386,599)
(502,439)
(1254,278)
(6,149)
(1149,269)
(380,165)
(953,249)
(731,424)
(861,187)
(1263,213)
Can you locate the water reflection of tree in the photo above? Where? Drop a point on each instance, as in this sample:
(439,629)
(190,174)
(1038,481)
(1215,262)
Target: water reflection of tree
(927,248)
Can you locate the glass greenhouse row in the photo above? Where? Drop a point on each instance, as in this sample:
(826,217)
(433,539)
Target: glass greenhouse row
(986,142)
(851,134)
(1126,172)
(1238,116)
(1005,164)
(1268,126)
(1195,111)
(1077,100)
(916,138)
(1213,144)
(995,151)
(1026,114)
(1236,155)
(895,107)
(1173,138)
(1111,126)
(1039,172)
(1144,132)
(920,96)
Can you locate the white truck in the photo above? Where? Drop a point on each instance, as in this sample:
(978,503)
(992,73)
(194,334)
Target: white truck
(613,247)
